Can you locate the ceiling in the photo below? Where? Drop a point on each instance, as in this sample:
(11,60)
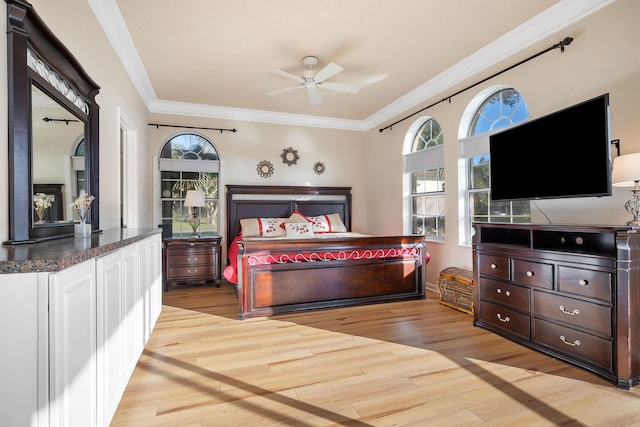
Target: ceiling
(212,58)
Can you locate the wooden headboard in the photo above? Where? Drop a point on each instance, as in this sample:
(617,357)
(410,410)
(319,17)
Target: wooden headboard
(280,201)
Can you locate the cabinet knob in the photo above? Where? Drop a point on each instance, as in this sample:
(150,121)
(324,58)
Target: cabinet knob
(494,266)
(194,271)
(507,293)
(530,273)
(583,282)
(499,290)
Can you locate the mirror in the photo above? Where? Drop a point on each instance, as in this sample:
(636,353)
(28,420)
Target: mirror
(57,160)
(46,171)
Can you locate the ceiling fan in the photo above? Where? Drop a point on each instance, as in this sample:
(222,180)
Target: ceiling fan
(312,81)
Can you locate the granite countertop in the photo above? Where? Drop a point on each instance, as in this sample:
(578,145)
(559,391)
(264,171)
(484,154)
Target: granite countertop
(56,255)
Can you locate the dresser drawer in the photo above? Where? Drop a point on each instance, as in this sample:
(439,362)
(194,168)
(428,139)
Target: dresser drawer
(494,265)
(588,283)
(530,273)
(578,345)
(194,272)
(505,318)
(504,293)
(583,314)
(190,257)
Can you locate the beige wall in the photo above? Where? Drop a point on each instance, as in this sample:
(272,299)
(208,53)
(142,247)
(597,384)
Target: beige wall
(603,58)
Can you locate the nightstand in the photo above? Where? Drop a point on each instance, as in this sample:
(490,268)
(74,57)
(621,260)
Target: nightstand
(191,260)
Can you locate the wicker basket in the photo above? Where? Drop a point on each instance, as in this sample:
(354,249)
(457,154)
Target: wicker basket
(456,289)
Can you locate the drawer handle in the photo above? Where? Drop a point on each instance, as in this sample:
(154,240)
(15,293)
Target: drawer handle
(507,293)
(583,282)
(194,271)
(530,273)
(572,344)
(189,259)
(503,320)
(494,266)
(570,313)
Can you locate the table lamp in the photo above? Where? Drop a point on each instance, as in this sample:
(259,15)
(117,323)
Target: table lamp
(194,200)
(626,173)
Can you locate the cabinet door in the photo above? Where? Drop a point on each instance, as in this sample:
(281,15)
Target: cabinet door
(72,314)
(24,361)
(110,314)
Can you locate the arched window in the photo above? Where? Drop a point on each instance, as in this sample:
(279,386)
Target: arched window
(188,162)
(491,110)
(424,164)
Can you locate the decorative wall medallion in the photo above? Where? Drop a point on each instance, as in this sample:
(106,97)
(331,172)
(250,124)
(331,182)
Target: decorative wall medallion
(265,169)
(290,156)
(319,168)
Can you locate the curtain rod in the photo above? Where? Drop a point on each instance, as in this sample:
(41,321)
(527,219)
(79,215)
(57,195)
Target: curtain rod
(564,42)
(66,121)
(157,125)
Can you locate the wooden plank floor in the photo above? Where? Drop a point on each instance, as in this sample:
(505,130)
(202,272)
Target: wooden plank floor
(414,363)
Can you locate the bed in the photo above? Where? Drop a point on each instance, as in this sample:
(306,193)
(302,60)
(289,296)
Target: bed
(329,269)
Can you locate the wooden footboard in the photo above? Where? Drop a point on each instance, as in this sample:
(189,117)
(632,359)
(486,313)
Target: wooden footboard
(275,288)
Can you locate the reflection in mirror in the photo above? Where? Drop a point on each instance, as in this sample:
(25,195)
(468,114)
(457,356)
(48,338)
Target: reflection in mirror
(57,160)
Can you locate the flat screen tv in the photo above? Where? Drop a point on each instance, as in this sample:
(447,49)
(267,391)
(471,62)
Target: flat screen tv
(563,154)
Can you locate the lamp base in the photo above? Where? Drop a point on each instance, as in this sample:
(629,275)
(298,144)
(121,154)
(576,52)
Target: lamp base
(194,222)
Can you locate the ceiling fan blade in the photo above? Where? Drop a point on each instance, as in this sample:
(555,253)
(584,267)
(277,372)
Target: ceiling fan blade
(287,75)
(314,96)
(327,72)
(286,89)
(340,87)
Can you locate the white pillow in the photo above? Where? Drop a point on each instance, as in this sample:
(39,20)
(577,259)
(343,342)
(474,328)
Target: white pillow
(299,230)
(262,227)
(331,223)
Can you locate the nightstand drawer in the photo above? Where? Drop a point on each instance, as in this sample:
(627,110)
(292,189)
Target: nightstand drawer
(504,318)
(576,344)
(193,272)
(190,258)
(533,273)
(588,283)
(583,314)
(504,293)
(494,265)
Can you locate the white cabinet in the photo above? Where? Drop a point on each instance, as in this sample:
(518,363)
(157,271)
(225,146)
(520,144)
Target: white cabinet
(71,339)
(72,356)
(24,355)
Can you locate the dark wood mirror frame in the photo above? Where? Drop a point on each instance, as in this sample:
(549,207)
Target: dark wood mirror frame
(25,30)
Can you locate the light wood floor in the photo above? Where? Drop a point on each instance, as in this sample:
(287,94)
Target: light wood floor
(415,363)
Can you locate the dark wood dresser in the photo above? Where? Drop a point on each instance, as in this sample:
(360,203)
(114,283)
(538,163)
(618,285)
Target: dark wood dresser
(191,260)
(572,292)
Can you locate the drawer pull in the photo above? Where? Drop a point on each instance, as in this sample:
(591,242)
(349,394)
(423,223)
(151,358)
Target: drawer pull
(583,282)
(194,271)
(570,313)
(530,273)
(507,293)
(572,344)
(494,265)
(503,320)
(189,259)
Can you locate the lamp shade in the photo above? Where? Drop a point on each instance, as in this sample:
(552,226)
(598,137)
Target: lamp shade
(194,198)
(626,170)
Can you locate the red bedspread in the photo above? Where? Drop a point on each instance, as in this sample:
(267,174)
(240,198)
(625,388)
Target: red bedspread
(231,271)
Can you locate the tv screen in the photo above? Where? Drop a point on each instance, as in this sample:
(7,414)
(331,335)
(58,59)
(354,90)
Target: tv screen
(563,154)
